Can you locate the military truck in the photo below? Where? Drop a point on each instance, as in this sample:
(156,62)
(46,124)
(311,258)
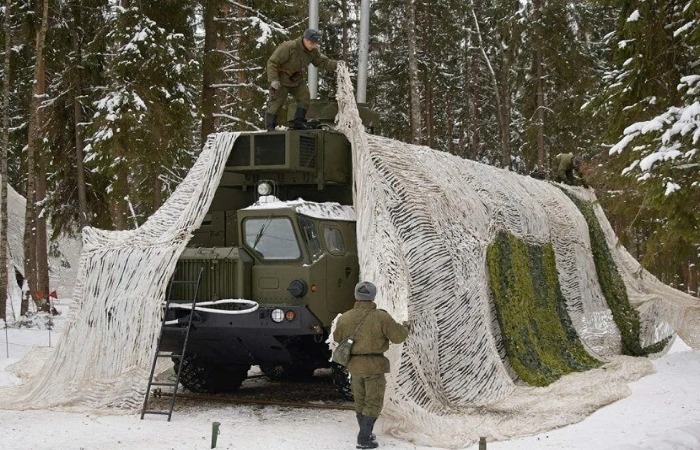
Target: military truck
(295,260)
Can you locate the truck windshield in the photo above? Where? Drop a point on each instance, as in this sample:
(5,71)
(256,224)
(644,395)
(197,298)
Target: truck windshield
(272,238)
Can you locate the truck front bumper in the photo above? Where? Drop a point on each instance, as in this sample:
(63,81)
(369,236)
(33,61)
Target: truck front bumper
(248,338)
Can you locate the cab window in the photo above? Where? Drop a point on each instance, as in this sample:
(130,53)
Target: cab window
(272,238)
(333,239)
(308,229)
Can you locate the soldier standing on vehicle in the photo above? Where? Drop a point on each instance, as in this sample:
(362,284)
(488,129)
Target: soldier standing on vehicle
(368,364)
(567,164)
(285,72)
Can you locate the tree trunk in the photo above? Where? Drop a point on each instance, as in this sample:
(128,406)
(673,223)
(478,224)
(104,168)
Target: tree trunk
(42,262)
(416,126)
(450,128)
(210,69)
(473,83)
(505,112)
(242,92)
(429,88)
(344,44)
(503,120)
(539,79)
(3,164)
(33,146)
(119,207)
(157,193)
(78,118)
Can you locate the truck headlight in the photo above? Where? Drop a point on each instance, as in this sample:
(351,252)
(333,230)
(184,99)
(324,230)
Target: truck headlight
(277,315)
(264,188)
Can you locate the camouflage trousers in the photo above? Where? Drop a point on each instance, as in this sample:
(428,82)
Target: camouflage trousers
(279,96)
(368,392)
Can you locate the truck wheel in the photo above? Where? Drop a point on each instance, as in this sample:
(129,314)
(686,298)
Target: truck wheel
(204,376)
(288,372)
(341,381)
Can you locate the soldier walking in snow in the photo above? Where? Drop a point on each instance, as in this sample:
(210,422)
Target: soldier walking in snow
(567,164)
(367,365)
(285,72)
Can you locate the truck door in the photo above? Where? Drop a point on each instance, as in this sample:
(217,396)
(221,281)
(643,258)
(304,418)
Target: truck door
(342,269)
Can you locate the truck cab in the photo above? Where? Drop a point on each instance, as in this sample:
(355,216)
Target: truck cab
(280,232)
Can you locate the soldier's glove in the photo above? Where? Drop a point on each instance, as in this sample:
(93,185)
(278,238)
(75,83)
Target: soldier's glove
(275,85)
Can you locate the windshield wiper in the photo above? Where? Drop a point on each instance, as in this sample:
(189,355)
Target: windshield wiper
(260,233)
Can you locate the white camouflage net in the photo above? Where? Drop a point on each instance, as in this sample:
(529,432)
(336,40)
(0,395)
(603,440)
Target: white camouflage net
(103,359)
(425,219)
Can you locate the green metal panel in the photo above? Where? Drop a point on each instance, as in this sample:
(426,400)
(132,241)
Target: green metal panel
(226,274)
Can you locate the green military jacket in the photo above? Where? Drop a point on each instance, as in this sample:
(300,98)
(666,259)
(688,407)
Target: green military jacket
(566,161)
(289,59)
(371,340)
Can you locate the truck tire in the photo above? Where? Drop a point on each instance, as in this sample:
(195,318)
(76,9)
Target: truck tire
(288,372)
(204,376)
(341,381)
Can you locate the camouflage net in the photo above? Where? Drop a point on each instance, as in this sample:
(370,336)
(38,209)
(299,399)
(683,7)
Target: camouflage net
(425,222)
(103,359)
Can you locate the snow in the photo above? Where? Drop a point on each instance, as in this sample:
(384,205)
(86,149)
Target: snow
(324,211)
(660,413)
(671,187)
(684,28)
(265,30)
(617,148)
(634,16)
(623,43)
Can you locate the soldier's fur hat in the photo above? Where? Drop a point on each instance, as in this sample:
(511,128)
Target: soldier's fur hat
(312,35)
(365,291)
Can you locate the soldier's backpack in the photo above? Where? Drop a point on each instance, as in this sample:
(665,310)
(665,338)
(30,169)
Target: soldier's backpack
(343,352)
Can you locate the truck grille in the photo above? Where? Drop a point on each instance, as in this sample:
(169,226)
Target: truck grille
(307,152)
(218,281)
(240,154)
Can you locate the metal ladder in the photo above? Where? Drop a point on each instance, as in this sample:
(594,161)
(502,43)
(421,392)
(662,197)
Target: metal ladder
(159,354)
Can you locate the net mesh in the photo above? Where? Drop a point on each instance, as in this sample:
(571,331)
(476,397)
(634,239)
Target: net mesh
(102,361)
(425,220)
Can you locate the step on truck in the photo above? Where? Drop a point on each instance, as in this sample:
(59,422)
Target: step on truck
(280,235)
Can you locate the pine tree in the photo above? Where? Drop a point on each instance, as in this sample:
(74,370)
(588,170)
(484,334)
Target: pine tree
(142,120)
(254,31)
(650,179)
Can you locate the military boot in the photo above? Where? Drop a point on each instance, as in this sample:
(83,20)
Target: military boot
(300,120)
(372,436)
(363,438)
(271,121)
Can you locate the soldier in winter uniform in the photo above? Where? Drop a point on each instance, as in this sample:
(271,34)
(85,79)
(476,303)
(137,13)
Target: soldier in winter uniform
(567,164)
(368,364)
(285,72)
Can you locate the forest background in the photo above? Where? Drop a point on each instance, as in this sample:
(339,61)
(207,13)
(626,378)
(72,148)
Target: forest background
(106,103)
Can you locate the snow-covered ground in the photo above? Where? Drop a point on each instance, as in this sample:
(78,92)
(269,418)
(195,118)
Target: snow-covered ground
(663,412)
